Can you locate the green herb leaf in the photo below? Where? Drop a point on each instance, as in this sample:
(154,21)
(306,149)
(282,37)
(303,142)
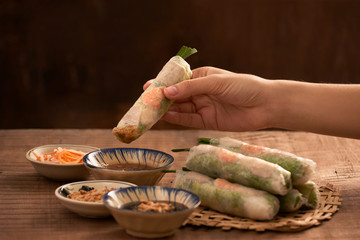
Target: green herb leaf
(186,52)
(204,140)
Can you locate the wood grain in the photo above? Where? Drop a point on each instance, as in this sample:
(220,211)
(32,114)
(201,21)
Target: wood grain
(29,209)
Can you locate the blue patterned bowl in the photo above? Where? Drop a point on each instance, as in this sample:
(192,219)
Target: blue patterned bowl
(97,161)
(150,224)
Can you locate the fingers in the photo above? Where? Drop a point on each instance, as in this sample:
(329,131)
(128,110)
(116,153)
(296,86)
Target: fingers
(192,120)
(185,107)
(196,73)
(193,87)
(206,71)
(147,84)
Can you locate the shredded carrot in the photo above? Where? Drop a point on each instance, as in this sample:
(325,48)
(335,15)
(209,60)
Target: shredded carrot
(61,156)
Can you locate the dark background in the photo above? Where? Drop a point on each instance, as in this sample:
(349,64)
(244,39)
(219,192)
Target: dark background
(81,64)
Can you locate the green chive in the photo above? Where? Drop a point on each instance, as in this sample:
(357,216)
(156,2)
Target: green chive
(185,52)
(204,140)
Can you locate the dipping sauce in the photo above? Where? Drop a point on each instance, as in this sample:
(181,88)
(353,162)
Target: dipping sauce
(129,166)
(154,206)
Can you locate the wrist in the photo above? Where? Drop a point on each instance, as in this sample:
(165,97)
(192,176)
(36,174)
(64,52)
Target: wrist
(282,101)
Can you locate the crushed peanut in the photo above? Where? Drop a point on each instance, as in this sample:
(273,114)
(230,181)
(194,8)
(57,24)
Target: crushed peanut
(93,195)
(149,206)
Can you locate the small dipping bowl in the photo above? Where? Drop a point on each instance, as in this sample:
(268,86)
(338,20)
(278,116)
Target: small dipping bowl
(84,208)
(57,171)
(98,161)
(150,224)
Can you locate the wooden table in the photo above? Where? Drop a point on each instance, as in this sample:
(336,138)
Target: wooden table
(30,210)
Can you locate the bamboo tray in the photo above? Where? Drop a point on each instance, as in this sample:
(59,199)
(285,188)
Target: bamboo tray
(330,202)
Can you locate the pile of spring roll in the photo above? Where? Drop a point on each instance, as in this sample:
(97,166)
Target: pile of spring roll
(246,180)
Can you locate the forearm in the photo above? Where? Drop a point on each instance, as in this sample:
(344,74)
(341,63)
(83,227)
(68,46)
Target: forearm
(332,109)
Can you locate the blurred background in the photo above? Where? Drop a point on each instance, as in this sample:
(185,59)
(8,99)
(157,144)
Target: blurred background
(82,64)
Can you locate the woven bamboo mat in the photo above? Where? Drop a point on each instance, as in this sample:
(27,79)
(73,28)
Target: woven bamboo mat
(330,202)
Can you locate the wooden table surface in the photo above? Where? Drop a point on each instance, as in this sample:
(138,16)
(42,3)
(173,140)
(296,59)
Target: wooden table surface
(30,210)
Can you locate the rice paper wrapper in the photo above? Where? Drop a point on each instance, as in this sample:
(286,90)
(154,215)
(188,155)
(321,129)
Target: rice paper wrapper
(291,202)
(226,197)
(302,219)
(310,194)
(253,172)
(152,104)
(302,169)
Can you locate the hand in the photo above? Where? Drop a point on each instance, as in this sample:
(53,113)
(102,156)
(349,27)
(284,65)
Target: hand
(222,100)
(219,100)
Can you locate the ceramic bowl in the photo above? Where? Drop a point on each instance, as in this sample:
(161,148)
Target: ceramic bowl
(61,172)
(83,208)
(150,224)
(97,161)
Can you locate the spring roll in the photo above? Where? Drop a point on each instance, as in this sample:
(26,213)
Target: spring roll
(291,202)
(226,197)
(302,169)
(253,172)
(311,195)
(152,104)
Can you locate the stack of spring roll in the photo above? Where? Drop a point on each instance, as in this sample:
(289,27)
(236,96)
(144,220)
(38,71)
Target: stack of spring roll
(246,180)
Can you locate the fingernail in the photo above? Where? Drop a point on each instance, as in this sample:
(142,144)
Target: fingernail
(172,90)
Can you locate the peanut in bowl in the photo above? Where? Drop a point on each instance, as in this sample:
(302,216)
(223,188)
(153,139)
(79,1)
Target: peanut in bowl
(87,205)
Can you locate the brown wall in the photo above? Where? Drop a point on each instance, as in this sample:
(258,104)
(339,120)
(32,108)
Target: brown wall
(81,64)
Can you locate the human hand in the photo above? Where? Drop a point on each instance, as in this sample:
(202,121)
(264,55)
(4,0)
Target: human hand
(219,100)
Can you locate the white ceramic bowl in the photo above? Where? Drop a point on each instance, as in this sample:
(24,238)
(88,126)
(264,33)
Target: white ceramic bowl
(97,161)
(87,209)
(150,224)
(61,172)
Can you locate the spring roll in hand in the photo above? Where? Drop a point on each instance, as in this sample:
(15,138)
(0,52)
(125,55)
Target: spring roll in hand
(226,197)
(253,172)
(152,104)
